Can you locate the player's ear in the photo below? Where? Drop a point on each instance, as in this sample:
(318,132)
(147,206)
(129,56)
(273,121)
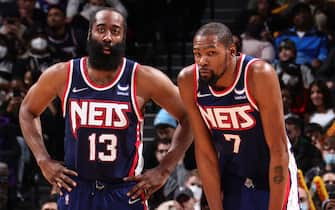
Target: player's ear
(233,50)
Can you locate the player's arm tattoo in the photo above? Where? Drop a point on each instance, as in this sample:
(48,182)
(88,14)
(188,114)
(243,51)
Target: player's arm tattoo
(278,177)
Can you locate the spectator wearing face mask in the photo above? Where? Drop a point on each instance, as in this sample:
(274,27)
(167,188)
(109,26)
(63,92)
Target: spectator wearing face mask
(303,199)
(40,55)
(328,153)
(193,182)
(329,181)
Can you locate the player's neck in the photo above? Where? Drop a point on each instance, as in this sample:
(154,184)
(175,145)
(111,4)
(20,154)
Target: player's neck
(101,77)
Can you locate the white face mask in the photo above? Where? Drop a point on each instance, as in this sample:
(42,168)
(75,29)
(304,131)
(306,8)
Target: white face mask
(329,158)
(39,43)
(3,51)
(197,191)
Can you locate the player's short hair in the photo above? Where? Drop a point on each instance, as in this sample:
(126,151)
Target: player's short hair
(220,30)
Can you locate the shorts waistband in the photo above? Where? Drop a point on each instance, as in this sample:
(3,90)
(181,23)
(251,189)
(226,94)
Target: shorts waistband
(101,185)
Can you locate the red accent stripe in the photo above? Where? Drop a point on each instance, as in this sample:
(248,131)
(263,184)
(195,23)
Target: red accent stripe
(137,144)
(137,107)
(287,193)
(195,83)
(143,199)
(66,85)
(100,86)
(228,89)
(246,82)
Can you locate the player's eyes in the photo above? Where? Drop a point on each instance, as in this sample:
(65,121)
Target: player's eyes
(210,53)
(101,30)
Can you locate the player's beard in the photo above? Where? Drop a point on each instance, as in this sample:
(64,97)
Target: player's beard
(212,80)
(101,61)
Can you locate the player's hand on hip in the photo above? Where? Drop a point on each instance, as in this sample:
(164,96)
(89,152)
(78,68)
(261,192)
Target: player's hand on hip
(147,183)
(57,174)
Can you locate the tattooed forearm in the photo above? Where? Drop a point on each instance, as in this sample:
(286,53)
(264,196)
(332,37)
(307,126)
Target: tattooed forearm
(278,177)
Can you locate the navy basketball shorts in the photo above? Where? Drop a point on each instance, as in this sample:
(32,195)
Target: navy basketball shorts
(242,194)
(100,196)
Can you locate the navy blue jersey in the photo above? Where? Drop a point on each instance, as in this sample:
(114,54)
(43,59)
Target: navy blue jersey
(234,121)
(236,126)
(103,124)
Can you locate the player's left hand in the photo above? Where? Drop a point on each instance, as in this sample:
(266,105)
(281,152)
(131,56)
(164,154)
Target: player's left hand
(148,182)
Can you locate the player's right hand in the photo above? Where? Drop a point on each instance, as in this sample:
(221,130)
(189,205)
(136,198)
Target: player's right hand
(57,174)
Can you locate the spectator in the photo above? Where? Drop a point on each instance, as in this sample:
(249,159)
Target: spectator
(311,44)
(66,42)
(14,31)
(329,204)
(319,105)
(165,125)
(287,66)
(329,181)
(193,182)
(252,42)
(306,154)
(287,102)
(326,71)
(328,153)
(175,180)
(184,196)
(50,203)
(303,199)
(315,133)
(7,62)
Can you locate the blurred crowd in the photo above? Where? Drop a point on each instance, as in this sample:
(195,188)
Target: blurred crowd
(297,37)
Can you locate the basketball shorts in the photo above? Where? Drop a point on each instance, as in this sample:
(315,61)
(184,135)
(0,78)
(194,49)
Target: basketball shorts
(100,196)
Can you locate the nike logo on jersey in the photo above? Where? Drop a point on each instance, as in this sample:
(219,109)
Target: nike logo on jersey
(203,95)
(239,92)
(75,90)
(235,117)
(130,201)
(98,113)
(125,88)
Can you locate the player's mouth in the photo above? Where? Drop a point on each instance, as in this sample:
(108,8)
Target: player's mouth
(107,50)
(205,72)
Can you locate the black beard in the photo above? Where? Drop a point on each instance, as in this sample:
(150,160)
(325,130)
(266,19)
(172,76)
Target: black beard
(100,61)
(210,81)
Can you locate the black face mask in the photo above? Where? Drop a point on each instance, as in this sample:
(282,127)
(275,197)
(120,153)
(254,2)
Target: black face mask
(100,61)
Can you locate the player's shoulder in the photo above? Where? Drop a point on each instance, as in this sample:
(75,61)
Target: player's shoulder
(58,71)
(186,72)
(261,67)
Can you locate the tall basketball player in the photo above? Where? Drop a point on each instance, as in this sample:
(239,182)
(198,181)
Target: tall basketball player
(236,114)
(103,95)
